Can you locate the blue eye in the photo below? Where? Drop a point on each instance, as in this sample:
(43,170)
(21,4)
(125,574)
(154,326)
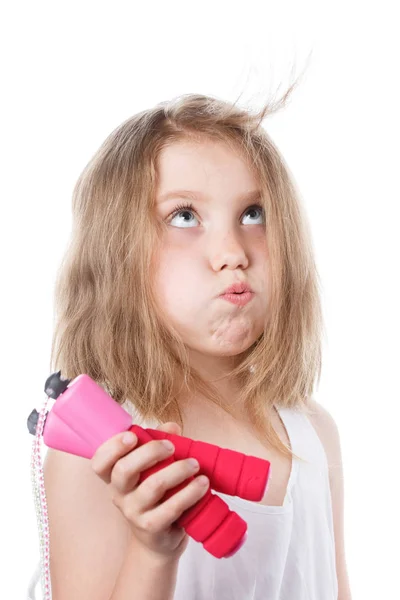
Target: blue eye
(188,208)
(182,208)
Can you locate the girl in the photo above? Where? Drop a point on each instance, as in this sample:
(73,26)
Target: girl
(181,202)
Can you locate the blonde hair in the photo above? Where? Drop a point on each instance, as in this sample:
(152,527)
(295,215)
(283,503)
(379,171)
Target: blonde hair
(108,323)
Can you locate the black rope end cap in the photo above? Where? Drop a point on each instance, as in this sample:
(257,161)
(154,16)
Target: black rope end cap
(32,421)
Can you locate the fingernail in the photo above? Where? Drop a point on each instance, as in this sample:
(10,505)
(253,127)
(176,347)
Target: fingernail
(128,437)
(202,480)
(169,445)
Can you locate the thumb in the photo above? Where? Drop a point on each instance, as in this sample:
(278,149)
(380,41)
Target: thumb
(170,427)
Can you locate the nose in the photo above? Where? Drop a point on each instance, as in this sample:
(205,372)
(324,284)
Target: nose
(228,252)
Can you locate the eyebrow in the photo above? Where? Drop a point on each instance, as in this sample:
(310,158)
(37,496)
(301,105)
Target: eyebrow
(249,196)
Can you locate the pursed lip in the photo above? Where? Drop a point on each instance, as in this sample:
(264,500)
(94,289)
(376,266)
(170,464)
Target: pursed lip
(237,288)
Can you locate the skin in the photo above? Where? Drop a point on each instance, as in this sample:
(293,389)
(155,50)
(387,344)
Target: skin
(204,251)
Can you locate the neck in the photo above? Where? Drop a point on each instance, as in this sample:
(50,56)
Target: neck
(214,370)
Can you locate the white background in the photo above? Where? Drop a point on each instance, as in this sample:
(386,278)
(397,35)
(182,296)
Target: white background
(72,72)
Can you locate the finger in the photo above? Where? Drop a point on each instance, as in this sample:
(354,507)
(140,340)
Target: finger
(110,452)
(152,490)
(170,427)
(166,513)
(126,472)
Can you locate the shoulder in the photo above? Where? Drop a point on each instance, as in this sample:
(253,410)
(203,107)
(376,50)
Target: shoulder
(328,432)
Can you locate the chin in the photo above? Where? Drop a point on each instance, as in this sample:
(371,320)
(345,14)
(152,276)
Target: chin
(223,349)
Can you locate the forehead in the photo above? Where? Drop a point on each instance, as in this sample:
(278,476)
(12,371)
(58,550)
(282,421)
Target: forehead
(207,167)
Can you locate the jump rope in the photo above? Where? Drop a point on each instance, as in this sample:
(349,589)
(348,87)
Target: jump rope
(78,416)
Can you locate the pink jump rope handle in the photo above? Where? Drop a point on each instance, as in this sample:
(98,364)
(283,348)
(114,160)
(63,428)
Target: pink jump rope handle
(85,416)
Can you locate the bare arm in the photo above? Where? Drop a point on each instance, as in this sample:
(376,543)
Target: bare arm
(92,553)
(145,578)
(328,432)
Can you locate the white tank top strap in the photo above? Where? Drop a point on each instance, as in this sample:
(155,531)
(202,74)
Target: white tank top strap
(303,437)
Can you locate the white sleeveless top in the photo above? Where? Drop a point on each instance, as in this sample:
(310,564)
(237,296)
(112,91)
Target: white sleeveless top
(289,553)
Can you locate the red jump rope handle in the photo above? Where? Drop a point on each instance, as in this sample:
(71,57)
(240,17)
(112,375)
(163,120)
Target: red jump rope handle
(210,521)
(230,472)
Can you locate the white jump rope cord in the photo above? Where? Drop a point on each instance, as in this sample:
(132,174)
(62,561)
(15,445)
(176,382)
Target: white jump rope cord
(39,495)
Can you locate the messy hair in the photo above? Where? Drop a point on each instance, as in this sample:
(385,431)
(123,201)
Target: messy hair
(108,322)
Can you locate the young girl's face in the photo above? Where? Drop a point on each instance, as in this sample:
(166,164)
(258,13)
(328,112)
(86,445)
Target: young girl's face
(204,250)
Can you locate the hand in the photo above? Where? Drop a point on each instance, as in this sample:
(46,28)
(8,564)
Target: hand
(151,521)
